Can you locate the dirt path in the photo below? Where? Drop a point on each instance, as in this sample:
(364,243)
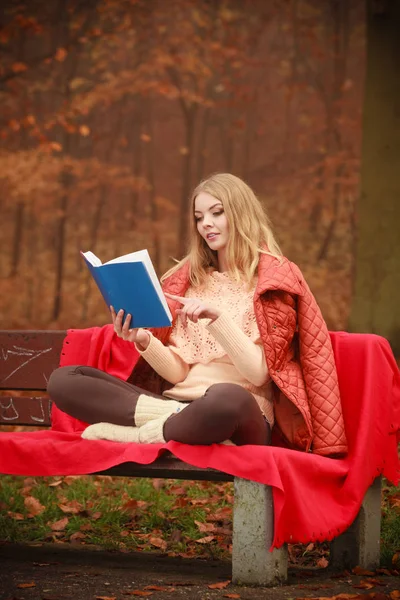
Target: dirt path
(61,572)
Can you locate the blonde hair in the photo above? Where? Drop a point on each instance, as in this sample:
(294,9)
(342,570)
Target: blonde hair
(250,231)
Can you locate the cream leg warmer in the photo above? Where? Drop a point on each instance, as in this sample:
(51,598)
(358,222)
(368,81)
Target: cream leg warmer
(153,431)
(150,433)
(149,408)
(109,431)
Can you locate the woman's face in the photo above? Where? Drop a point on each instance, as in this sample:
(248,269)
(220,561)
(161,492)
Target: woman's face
(211,221)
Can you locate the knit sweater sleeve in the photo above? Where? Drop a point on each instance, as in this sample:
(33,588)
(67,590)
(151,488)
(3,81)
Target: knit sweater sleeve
(164,361)
(247,356)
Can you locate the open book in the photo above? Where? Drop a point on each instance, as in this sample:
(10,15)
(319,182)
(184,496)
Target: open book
(130,282)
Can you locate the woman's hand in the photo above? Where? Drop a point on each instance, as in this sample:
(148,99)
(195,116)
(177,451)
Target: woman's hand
(138,336)
(194,309)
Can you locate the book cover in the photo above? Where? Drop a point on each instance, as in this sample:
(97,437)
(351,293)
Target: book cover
(130,282)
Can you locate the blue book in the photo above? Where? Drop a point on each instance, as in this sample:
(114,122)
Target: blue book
(130,282)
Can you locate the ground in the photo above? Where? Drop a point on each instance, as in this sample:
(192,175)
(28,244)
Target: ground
(62,572)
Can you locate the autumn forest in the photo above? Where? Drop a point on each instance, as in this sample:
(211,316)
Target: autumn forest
(113,110)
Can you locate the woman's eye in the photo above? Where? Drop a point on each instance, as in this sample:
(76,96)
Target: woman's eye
(217,214)
(197,219)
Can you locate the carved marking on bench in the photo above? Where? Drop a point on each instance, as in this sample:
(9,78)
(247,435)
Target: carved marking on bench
(11,405)
(42,418)
(33,354)
(15,414)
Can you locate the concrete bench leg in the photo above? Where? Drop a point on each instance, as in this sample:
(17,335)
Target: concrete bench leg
(360,544)
(253,526)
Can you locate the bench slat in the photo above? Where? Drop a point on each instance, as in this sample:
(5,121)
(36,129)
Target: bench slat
(166,467)
(27,358)
(25,410)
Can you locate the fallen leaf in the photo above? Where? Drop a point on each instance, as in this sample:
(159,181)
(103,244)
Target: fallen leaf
(205,540)
(106,597)
(377,582)
(26,585)
(360,571)
(77,537)
(205,527)
(138,593)
(395,595)
(383,572)
(72,507)
(60,525)
(56,483)
(219,586)
(16,516)
(158,543)
(364,585)
(231,596)
(158,484)
(322,562)
(33,506)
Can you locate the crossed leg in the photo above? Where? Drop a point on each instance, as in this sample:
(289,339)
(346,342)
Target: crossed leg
(225,411)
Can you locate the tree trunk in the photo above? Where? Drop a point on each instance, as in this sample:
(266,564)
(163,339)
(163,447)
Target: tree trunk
(152,192)
(60,236)
(338,21)
(190,119)
(375,304)
(17,238)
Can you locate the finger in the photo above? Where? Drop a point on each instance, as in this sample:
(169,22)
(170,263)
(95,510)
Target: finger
(182,315)
(196,314)
(113,313)
(118,322)
(178,298)
(190,309)
(127,325)
(119,317)
(132,335)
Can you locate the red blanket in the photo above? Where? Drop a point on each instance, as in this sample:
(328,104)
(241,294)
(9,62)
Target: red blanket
(315,498)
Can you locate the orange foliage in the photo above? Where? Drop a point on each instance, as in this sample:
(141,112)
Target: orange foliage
(108,124)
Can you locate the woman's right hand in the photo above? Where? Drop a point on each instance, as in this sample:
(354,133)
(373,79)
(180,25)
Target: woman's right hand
(138,336)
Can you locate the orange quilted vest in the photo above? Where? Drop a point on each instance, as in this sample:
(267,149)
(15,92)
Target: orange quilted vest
(299,356)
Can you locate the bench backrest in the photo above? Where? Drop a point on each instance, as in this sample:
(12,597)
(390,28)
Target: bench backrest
(27,359)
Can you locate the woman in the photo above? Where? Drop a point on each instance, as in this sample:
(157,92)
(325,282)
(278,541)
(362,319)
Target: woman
(248,345)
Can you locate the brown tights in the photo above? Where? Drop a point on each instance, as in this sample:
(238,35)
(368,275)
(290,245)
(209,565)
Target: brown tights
(225,411)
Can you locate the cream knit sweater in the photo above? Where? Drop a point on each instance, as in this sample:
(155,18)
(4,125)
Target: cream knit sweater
(227,350)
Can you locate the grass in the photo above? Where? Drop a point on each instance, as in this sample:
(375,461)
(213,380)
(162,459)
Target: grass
(390,529)
(117,513)
(188,519)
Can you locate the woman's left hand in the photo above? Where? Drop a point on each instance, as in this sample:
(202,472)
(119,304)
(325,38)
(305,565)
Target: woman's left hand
(194,309)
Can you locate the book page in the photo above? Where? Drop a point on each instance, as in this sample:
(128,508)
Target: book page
(92,258)
(153,276)
(131,257)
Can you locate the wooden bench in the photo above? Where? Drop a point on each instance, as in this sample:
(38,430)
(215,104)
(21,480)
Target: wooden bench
(26,360)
